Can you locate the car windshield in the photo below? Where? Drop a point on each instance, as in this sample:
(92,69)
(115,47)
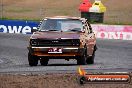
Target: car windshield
(66,25)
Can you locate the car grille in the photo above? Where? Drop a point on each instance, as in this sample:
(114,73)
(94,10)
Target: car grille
(58,42)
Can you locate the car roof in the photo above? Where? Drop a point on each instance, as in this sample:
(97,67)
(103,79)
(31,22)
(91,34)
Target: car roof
(66,17)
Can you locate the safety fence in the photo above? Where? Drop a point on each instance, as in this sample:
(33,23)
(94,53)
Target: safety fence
(123,32)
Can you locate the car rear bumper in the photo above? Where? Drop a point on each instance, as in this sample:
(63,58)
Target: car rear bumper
(66,51)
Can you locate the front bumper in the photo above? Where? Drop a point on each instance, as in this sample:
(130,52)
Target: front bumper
(66,51)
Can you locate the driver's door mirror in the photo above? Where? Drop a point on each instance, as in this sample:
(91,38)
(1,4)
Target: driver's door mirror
(33,30)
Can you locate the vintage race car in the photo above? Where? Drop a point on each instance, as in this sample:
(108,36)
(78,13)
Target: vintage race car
(62,38)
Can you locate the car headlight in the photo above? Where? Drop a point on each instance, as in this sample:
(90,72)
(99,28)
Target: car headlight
(33,42)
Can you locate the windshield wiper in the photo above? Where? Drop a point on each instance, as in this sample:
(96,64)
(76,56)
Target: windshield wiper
(75,29)
(49,30)
(53,30)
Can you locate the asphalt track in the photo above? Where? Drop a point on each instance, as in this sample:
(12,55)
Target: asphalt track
(111,56)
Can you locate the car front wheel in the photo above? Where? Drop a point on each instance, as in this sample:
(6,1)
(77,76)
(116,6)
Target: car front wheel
(33,60)
(44,62)
(82,59)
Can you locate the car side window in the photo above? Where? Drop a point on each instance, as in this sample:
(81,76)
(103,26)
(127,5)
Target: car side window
(89,27)
(84,27)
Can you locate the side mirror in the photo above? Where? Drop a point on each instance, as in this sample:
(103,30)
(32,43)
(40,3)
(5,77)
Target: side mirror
(36,29)
(33,30)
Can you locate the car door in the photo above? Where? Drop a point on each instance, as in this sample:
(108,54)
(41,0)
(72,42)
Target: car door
(90,40)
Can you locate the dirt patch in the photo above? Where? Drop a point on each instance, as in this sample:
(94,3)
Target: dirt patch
(50,81)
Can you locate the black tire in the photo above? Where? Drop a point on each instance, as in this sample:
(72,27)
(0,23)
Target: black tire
(33,60)
(82,59)
(90,59)
(44,62)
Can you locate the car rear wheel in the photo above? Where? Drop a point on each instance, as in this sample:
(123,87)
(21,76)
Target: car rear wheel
(90,60)
(44,62)
(33,60)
